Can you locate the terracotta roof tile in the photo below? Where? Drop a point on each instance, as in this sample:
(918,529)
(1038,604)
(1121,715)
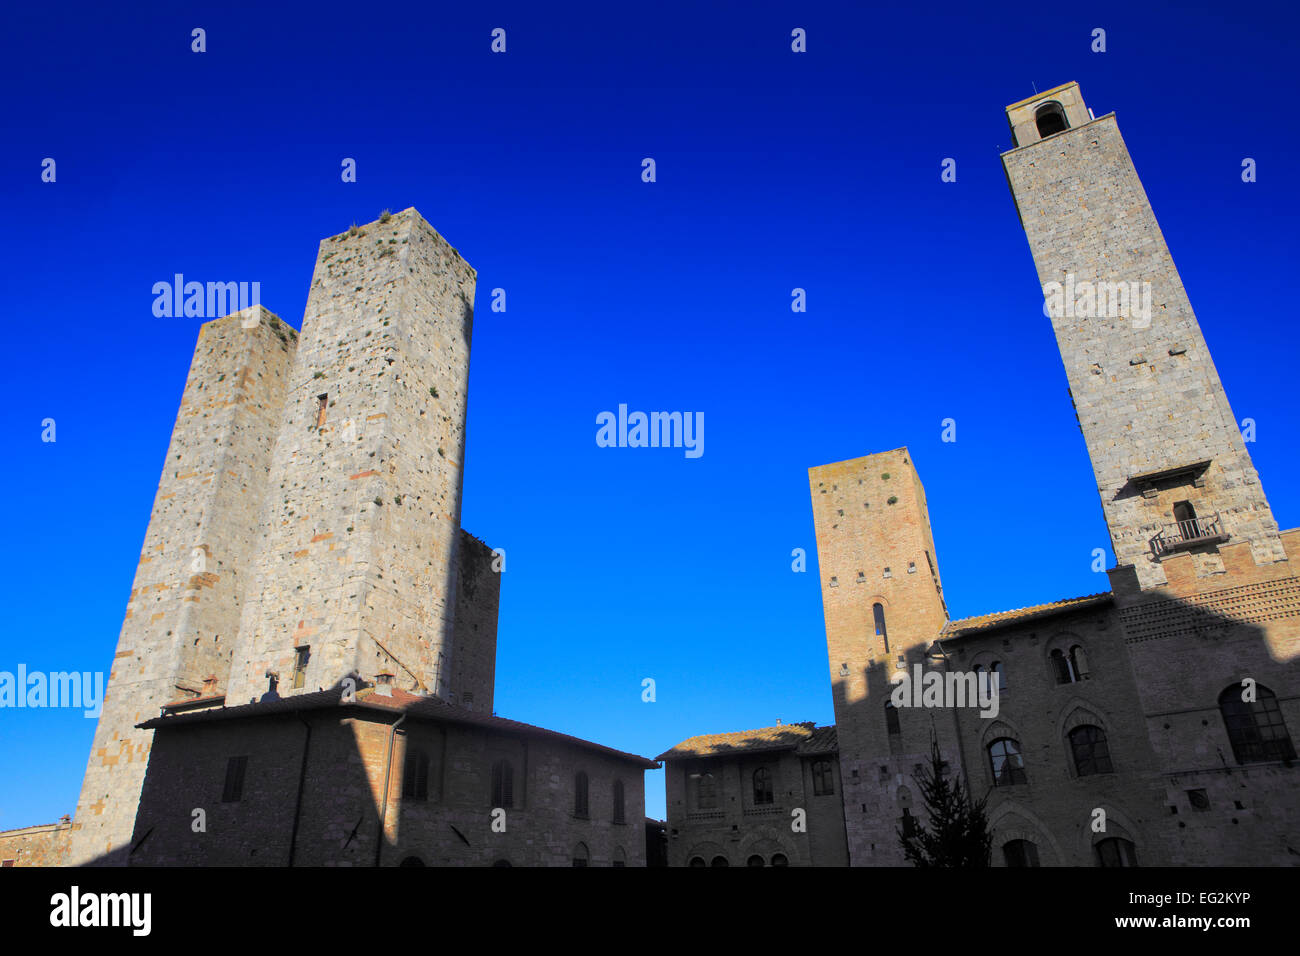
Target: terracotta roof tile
(431,708)
(805,737)
(984,622)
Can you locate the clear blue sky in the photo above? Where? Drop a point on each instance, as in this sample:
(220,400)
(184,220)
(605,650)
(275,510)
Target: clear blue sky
(775,171)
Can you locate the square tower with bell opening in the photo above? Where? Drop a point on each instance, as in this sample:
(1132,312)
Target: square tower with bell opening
(1171,467)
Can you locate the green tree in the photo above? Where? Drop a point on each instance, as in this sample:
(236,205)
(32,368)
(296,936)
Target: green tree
(958,832)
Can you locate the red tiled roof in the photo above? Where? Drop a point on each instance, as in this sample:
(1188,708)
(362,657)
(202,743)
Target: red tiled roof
(431,708)
(987,622)
(804,737)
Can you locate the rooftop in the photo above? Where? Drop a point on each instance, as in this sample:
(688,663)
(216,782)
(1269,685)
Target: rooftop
(804,738)
(369,699)
(987,622)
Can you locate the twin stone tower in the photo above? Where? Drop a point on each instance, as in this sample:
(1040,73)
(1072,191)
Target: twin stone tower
(306,527)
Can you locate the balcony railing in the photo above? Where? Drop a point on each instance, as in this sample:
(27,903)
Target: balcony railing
(1182,535)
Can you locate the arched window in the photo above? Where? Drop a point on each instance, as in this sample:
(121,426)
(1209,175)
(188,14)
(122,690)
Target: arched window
(1116,851)
(581,856)
(503,783)
(891,719)
(999,676)
(779,859)
(619,802)
(719,861)
(755,860)
(580,793)
(706,792)
(1061,667)
(823,781)
(620,858)
(762,786)
(697,861)
(502,863)
(878,612)
(1091,752)
(1256,728)
(1020,853)
(411,861)
(1008,765)
(1079,662)
(1050,118)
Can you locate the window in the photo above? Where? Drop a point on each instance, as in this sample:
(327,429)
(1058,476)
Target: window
(908,823)
(756,860)
(1256,729)
(1008,764)
(1050,118)
(322,404)
(706,792)
(301,656)
(878,612)
(1116,851)
(1020,853)
(619,802)
(1000,680)
(823,782)
(411,861)
(779,859)
(234,788)
(697,861)
(1091,753)
(415,776)
(762,786)
(620,858)
(1079,661)
(502,863)
(891,719)
(719,861)
(1199,799)
(503,784)
(580,794)
(581,857)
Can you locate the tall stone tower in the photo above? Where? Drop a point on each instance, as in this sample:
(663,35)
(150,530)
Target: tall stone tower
(356,573)
(182,618)
(884,607)
(1171,467)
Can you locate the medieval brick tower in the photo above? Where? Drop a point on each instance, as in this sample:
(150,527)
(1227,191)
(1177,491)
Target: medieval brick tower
(884,607)
(357,571)
(1170,464)
(182,618)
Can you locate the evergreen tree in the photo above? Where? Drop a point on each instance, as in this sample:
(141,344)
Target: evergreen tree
(958,832)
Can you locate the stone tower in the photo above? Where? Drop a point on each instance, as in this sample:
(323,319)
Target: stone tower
(356,573)
(182,617)
(1170,463)
(884,607)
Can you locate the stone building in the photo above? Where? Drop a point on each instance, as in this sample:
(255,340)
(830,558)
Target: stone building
(306,535)
(387,778)
(768,797)
(1148,724)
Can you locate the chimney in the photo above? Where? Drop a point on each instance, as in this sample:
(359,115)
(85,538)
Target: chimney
(384,684)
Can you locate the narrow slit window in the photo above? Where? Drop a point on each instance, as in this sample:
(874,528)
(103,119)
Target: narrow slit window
(322,405)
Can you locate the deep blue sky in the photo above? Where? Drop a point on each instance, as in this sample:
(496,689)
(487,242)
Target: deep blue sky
(775,170)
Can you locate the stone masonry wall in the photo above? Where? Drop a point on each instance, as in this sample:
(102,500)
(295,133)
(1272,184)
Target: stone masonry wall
(362,520)
(183,613)
(1146,391)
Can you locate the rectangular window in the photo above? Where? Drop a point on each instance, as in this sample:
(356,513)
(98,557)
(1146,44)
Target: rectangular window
(233,791)
(415,776)
(301,656)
